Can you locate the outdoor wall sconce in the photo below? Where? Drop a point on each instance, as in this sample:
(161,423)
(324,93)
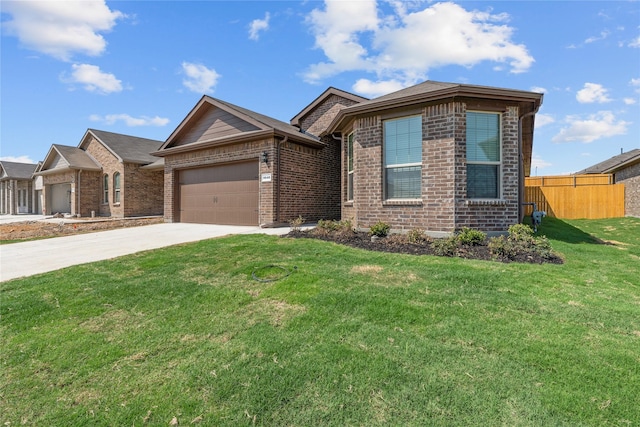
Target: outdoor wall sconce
(265,157)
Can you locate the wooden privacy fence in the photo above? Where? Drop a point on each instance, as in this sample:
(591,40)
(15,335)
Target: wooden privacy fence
(591,196)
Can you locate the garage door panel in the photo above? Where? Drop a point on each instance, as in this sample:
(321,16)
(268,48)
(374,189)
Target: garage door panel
(224,194)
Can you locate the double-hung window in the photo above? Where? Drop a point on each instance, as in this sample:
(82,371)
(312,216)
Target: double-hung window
(350,167)
(116,187)
(105,188)
(403,158)
(483,155)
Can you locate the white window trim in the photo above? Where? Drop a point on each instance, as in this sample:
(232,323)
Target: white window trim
(499,163)
(385,197)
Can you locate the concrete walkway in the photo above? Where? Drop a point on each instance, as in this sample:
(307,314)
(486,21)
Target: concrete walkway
(41,256)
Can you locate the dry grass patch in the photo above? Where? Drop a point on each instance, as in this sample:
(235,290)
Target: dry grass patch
(367,269)
(275,312)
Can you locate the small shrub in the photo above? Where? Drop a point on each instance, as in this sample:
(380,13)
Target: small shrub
(326,227)
(521,233)
(445,247)
(416,236)
(296,223)
(380,229)
(521,242)
(471,237)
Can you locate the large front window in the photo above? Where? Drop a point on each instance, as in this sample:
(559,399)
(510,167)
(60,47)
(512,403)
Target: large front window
(483,155)
(350,167)
(403,158)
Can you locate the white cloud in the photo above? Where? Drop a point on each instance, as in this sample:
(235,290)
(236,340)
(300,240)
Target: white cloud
(538,163)
(543,120)
(200,79)
(596,126)
(130,121)
(404,45)
(538,89)
(635,83)
(635,42)
(592,92)
(93,79)
(630,101)
(374,89)
(61,28)
(18,159)
(258,25)
(603,35)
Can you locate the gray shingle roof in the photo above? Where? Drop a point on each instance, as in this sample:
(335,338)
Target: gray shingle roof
(614,163)
(269,122)
(130,149)
(76,158)
(15,170)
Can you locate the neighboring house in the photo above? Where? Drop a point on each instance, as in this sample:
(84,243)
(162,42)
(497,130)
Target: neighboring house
(17,188)
(438,157)
(625,169)
(225,164)
(107,174)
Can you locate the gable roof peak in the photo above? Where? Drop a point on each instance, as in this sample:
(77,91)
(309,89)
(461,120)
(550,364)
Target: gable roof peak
(126,148)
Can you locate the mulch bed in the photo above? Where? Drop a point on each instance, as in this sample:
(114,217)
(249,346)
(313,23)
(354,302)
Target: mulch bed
(399,244)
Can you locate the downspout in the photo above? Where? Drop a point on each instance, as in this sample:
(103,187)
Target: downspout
(282,141)
(521,163)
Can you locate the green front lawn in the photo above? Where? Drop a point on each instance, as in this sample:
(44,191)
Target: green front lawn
(185,334)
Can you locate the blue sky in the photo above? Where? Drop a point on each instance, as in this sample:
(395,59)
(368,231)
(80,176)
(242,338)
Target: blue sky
(139,67)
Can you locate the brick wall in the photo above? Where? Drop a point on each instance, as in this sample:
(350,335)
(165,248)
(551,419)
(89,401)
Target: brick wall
(317,120)
(142,191)
(443,207)
(310,181)
(630,177)
(110,165)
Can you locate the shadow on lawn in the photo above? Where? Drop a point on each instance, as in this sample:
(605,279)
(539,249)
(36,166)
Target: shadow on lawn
(557,229)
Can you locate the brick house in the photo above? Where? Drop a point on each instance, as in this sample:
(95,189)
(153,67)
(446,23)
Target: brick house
(17,188)
(625,168)
(403,158)
(225,164)
(107,174)
(437,156)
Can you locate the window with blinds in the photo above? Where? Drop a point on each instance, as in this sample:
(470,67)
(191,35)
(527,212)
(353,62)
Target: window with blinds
(483,155)
(403,158)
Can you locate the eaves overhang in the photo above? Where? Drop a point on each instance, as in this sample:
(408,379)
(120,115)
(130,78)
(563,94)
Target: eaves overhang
(456,92)
(239,138)
(65,169)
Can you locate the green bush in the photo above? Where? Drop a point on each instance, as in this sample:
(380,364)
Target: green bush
(520,242)
(471,237)
(416,236)
(331,226)
(380,229)
(445,247)
(296,223)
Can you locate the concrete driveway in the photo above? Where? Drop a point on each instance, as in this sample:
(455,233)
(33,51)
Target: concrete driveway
(41,256)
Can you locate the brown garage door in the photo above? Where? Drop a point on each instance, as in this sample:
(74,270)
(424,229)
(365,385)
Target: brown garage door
(224,194)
